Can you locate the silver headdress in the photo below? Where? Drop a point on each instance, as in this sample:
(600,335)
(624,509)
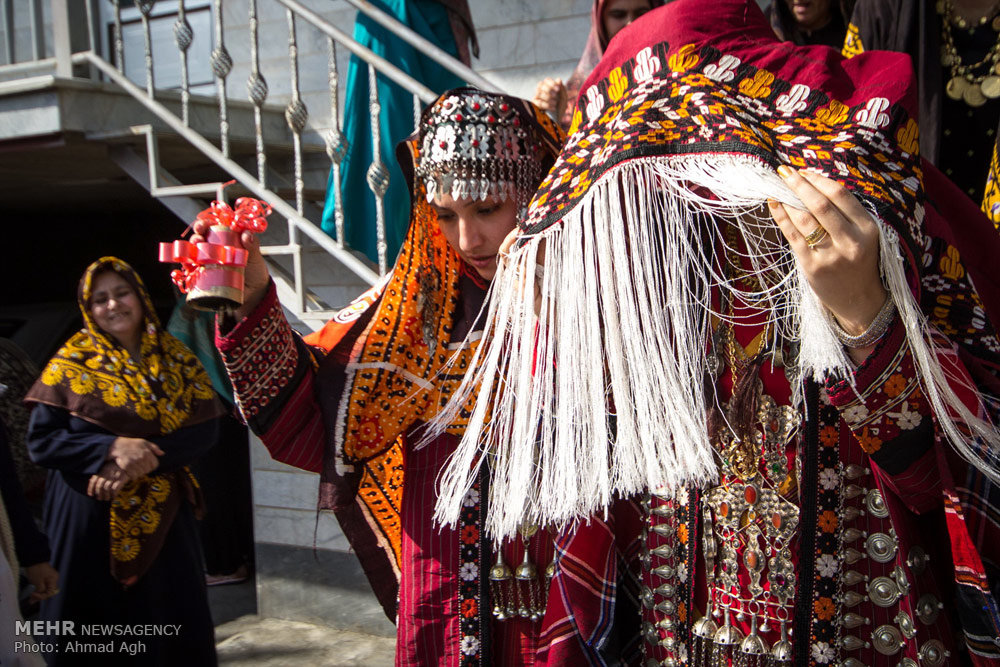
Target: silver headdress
(476,145)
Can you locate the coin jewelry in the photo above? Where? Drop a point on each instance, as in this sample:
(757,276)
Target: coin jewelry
(972,83)
(748,527)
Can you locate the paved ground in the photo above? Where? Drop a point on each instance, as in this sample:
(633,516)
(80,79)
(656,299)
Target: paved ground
(251,641)
(244,639)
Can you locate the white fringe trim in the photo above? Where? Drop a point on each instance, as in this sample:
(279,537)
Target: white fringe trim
(973,438)
(623,323)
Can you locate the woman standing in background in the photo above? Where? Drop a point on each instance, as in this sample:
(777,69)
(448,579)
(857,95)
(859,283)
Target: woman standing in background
(955,47)
(119,413)
(808,22)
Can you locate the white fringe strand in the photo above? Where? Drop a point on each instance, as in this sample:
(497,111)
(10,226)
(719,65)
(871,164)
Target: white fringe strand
(603,393)
(973,438)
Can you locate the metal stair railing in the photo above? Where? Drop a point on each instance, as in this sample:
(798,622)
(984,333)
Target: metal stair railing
(297,15)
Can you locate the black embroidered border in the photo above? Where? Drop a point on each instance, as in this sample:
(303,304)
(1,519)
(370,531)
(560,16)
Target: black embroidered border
(470,592)
(807,565)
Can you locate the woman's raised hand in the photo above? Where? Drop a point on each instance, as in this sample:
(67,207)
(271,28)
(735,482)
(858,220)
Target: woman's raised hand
(508,244)
(255,277)
(551,96)
(837,244)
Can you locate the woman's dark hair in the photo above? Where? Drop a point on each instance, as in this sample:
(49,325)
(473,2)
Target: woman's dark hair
(786,27)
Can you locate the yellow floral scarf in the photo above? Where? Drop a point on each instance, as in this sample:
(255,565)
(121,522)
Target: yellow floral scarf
(94,378)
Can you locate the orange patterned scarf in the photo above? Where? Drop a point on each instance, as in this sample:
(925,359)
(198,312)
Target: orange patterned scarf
(405,348)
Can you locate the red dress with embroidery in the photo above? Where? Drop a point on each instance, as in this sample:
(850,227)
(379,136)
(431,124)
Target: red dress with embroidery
(842,551)
(436,590)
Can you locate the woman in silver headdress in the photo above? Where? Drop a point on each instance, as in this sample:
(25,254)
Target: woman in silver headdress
(350,402)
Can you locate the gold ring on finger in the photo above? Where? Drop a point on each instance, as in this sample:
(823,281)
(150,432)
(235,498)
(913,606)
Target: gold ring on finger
(816,237)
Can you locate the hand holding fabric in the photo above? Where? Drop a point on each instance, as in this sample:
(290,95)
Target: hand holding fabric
(842,263)
(508,245)
(108,481)
(551,96)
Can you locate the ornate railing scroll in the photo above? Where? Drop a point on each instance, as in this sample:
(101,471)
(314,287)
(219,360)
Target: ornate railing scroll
(336,143)
(183,36)
(257,92)
(222,64)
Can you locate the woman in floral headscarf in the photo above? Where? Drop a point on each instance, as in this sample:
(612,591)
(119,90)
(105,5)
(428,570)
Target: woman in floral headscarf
(351,401)
(119,412)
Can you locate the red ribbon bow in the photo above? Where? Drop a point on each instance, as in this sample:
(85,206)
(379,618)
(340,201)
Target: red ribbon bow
(222,246)
(249,215)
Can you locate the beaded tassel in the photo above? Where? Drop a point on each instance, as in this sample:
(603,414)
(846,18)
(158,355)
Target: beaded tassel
(726,640)
(521,592)
(702,633)
(753,649)
(499,576)
(781,652)
(527,587)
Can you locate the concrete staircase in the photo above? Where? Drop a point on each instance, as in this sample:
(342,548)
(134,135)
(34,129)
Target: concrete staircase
(74,123)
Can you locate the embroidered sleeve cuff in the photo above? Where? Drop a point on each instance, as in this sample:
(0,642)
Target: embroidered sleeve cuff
(891,419)
(261,356)
(229,336)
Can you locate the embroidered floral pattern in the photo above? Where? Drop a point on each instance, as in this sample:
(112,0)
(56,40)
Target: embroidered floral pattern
(468,571)
(825,627)
(469,574)
(679,100)
(827,565)
(891,403)
(823,653)
(828,522)
(824,609)
(829,479)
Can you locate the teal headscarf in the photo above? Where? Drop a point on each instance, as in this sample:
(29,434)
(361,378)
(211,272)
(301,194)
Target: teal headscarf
(428,18)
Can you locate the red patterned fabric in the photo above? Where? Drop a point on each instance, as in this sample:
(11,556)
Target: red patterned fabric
(599,569)
(261,355)
(695,82)
(600,557)
(883,432)
(593,50)
(350,401)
